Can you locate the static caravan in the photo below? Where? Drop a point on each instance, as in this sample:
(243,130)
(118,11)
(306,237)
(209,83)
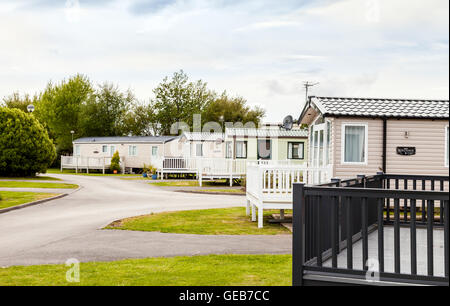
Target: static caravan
(267,144)
(363,136)
(96,152)
(202,145)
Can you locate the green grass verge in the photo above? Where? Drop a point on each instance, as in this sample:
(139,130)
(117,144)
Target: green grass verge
(212,270)
(34,178)
(12,198)
(229,221)
(15,184)
(92,173)
(190,183)
(233,191)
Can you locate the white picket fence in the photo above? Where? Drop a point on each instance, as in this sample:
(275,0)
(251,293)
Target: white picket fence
(269,185)
(86,163)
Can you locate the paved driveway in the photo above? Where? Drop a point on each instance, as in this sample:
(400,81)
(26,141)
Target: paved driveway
(71,227)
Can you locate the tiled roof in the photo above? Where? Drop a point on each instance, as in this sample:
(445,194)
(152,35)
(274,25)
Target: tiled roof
(266,133)
(199,136)
(131,139)
(368,107)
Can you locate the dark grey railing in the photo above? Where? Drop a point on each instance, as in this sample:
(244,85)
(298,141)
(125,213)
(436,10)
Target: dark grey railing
(332,217)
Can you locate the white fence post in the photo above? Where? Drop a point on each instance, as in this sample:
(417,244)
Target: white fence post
(200,172)
(231,171)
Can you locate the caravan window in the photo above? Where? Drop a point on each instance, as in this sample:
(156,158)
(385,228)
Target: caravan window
(77,150)
(241,149)
(105,149)
(199,149)
(132,150)
(264,149)
(296,150)
(229,150)
(355,143)
(447,144)
(154,151)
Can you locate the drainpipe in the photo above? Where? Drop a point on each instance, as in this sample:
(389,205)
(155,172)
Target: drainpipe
(384,145)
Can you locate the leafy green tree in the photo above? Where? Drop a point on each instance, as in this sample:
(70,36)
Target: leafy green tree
(25,147)
(105,113)
(115,162)
(140,120)
(59,108)
(177,100)
(16,101)
(233,110)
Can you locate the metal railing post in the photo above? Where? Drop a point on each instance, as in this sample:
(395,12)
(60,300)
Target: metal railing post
(298,241)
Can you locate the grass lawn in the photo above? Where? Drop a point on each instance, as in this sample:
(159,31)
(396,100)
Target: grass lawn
(233,191)
(14,184)
(192,183)
(228,221)
(37,178)
(12,198)
(212,270)
(92,173)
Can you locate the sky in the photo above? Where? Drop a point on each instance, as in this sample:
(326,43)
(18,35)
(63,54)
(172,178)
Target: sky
(262,50)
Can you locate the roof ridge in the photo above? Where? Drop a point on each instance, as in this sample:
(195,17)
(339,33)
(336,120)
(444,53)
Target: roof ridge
(384,99)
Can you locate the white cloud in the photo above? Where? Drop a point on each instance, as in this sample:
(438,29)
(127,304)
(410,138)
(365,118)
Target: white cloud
(257,50)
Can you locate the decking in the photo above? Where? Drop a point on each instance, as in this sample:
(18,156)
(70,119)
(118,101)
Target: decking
(405,252)
(380,230)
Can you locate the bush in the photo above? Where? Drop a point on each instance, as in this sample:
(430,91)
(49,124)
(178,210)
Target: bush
(115,162)
(25,147)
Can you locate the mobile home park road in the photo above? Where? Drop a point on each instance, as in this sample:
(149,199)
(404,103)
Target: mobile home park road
(71,227)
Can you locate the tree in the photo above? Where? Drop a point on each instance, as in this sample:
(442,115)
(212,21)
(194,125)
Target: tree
(16,101)
(115,162)
(232,110)
(177,100)
(59,109)
(140,120)
(25,147)
(105,113)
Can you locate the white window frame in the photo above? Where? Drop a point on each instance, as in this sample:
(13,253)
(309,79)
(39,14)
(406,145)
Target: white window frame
(157,149)
(132,152)
(244,149)
(229,149)
(112,150)
(446,161)
(290,152)
(366,143)
(103,149)
(77,150)
(197,153)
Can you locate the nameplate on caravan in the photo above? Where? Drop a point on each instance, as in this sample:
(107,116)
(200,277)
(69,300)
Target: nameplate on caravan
(406,151)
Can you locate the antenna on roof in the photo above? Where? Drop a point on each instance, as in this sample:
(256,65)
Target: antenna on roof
(307,85)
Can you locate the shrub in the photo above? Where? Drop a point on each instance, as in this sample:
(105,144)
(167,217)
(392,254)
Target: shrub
(150,170)
(115,162)
(25,147)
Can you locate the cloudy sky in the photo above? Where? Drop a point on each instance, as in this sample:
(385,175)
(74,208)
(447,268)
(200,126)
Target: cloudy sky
(260,49)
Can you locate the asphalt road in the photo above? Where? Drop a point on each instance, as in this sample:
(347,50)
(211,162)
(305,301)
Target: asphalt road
(71,227)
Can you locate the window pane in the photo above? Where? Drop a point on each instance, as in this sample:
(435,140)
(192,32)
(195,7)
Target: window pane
(448,145)
(355,144)
(154,151)
(105,149)
(264,149)
(241,149)
(228,151)
(199,149)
